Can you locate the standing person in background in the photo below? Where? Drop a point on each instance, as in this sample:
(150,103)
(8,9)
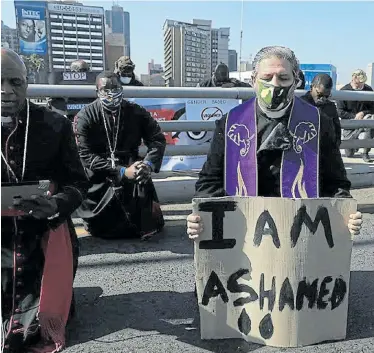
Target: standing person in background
(357,110)
(221,78)
(318,96)
(70,106)
(124,69)
(39,246)
(122,201)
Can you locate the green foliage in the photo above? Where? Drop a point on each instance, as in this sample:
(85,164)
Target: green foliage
(34,63)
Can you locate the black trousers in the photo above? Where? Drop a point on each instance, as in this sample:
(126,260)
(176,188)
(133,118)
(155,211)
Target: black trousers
(129,212)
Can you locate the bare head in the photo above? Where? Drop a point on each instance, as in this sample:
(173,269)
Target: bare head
(321,88)
(275,76)
(13,82)
(221,74)
(358,79)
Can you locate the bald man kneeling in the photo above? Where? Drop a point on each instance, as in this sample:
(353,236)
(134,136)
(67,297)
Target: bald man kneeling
(38,242)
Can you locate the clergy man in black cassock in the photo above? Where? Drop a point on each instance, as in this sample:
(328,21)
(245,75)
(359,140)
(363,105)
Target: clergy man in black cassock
(39,247)
(122,201)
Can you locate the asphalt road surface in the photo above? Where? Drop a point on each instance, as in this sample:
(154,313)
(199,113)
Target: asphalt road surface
(138,297)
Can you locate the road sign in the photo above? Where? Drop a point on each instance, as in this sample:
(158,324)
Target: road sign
(74,76)
(311,70)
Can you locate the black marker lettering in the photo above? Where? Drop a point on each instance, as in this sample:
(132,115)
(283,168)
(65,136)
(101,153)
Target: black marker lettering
(266,226)
(286,295)
(213,288)
(302,217)
(270,294)
(338,293)
(306,290)
(322,304)
(218,210)
(234,287)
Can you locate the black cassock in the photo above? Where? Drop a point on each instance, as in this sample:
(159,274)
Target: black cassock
(333,176)
(115,209)
(51,155)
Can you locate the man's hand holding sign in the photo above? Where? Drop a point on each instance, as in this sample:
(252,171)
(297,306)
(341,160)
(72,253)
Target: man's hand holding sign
(195,225)
(273,218)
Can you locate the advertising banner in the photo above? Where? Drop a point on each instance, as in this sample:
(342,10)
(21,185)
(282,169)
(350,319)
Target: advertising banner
(312,70)
(31,25)
(169,109)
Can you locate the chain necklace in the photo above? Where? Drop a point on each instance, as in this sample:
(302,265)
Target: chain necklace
(112,150)
(10,170)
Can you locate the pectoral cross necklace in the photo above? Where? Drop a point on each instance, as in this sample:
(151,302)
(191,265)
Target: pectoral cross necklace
(112,149)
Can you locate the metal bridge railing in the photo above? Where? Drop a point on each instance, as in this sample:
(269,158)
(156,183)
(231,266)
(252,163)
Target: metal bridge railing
(87,91)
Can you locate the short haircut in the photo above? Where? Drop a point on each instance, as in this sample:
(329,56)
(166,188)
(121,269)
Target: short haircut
(278,52)
(105,74)
(322,80)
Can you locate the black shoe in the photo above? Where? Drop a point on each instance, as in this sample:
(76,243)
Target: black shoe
(366,158)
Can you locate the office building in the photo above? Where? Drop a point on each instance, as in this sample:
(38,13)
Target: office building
(114,47)
(154,68)
(155,76)
(155,80)
(9,38)
(119,22)
(220,46)
(233,60)
(192,51)
(76,32)
(245,66)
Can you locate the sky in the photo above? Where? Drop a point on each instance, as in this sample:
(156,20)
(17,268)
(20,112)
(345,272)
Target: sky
(319,32)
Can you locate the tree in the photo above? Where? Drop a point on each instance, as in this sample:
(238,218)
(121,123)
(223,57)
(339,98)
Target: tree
(34,64)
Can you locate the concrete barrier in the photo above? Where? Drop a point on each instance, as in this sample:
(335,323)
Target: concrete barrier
(179,187)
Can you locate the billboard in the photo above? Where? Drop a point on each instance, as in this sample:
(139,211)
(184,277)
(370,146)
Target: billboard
(75,9)
(311,70)
(31,27)
(181,109)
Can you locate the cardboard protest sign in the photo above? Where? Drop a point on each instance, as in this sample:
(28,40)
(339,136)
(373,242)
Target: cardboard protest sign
(274,271)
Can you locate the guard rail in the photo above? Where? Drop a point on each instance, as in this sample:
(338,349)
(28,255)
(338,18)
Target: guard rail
(87,91)
(36,91)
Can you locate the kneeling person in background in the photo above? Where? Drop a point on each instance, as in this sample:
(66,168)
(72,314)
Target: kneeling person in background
(122,201)
(318,96)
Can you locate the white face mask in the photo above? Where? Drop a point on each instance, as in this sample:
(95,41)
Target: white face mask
(125,80)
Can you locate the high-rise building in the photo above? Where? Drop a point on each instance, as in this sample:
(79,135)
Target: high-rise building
(119,22)
(75,32)
(220,46)
(233,60)
(155,76)
(245,66)
(370,75)
(114,47)
(192,50)
(9,38)
(154,68)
